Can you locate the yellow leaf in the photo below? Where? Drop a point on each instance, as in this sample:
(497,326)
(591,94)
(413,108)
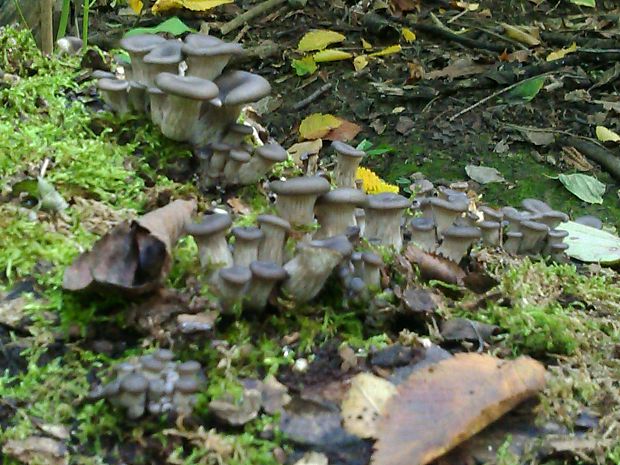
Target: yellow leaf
(408,35)
(318,40)
(360,62)
(521,35)
(318,125)
(161,6)
(193,5)
(468,6)
(387,51)
(136,6)
(366,45)
(559,54)
(606,135)
(331,55)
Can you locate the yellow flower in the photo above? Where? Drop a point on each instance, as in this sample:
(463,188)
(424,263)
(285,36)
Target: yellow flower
(373,184)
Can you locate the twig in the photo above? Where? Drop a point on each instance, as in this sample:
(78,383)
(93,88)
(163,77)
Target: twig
(596,152)
(495,94)
(252,13)
(47,26)
(312,97)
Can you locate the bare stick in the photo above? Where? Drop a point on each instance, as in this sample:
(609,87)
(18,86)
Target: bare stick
(249,15)
(312,97)
(47,26)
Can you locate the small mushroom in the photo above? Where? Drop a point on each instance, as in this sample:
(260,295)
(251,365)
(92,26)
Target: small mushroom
(184,397)
(236,160)
(491,233)
(137,97)
(157,104)
(534,234)
(164,58)
(137,47)
(152,367)
(423,233)
(184,101)
(247,241)
(553,218)
(491,214)
(262,160)
(557,252)
(207,56)
(590,220)
(166,356)
(555,236)
(189,369)
(513,218)
(512,243)
(535,206)
(422,188)
(360,219)
(156,393)
(347,160)
(457,240)
(310,268)
(210,235)
(447,211)
(132,394)
(335,211)
(297,196)
(236,134)
(114,93)
(215,163)
(372,270)
(272,245)
(231,284)
(265,276)
(383,217)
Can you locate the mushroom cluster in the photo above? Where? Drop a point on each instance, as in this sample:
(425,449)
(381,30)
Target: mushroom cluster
(153,383)
(181,86)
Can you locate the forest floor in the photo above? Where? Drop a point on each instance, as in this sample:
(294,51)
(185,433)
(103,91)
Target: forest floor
(56,346)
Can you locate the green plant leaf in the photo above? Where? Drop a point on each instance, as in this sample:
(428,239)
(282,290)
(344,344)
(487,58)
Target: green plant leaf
(588,3)
(591,245)
(173,26)
(587,188)
(527,89)
(304,66)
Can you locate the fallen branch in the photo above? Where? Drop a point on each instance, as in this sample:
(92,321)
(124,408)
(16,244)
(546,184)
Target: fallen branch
(312,97)
(249,15)
(597,153)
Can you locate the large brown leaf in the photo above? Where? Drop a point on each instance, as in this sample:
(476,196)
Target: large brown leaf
(439,407)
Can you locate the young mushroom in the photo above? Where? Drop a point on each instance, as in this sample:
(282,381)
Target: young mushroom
(157,104)
(491,233)
(132,395)
(164,58)
(456,242)
(114,93)
(237,158)
(184,396)
(347,160)
(335,210)
(207,56)
(265,276)
(296,198)
(534,234)
(512,243)
(535,206)
(446,211)
(230,284)
(247,241)
(262,160)
(236,134)
(137,97)
(423,233)
(553,218)
(210,235)
(184,101)
(383,217)
(272,245)
(372,270)
(137,47)
(555,236)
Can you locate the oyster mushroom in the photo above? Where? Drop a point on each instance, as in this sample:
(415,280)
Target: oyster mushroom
(247,241)
(207,56)
(553,218)
(156,393)
(347,160)
(230,284)
(164,58)
(265,276)
(383,217)
(272,245)
(422,188)
(236,160)
(513,218)
(534,234)
(360,219)
(335,211)
(491,233)
(185,98)
(114,93)
(296,198)
(512,243)
(557,252)
(310,268)
(423,233)
(152,367)
(184,397)
(262,160)
(491,214)
(215,163)
(457,240)
(210,235)
(132,395)
(535,206)
(555,236)
(189,369)
(372,270)
(137,47)
(137,97)
(446,211)
(157,104)
(236,134)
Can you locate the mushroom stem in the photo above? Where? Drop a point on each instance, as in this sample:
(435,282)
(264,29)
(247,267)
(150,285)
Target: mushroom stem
(274,229)
(265,277)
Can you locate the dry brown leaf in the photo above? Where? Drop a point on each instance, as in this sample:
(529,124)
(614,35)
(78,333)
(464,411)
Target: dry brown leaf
(434,267)
(459,68)
(238,206)
(345,132)
(37,449)
(441,406)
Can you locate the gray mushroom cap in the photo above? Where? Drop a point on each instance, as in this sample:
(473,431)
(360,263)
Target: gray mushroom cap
(164,355)
(210,224)
(235,275)
(491,214)
(99,74)
(387,201)
(558,234)
(155,90)
(247,233)
(514,235)
(112,85)
(238,87)
(205,45)
(141,43)
(239,155)
(457,204)
(134,383)
(272,152)
(168,52)
(304,185)
(241,129)
(187,385)
(152,364)
(534,226)
(347,150)
(422,224)
(553,217)
(489,225)
(187,86)
(267,270)
(372,259)
(558,247)
(274,220)
(535,205)
(191,367)
(338,243)
(220,146)
(464,232)
(343,195)
(590,220)
(422,187)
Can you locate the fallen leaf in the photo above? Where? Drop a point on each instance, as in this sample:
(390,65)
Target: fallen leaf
(483,174)
(520,34)
(173,26)
(467,6)
(527,89)
(460,67)
(304,66)
(319,40)
(161,6)
(540,138)
(274,395)
(588,3)
(136,6)
(440,406)
(37,449)
(587,188)
(345,132)
(331,54)
(463,329)
(387,51)
(301,150)
(237,412)
(559,54)
(434,267)
(360,62)
(408,35)
(366,45)
(317,125)
(238,206)
(606,135)
(364,403)
(591,245)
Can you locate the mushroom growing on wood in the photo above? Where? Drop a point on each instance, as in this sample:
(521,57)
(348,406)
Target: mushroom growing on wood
(335,211)
(296,198)
(137,47)
(347,160)
(553,218)
(114,93)
(185,98)
(207,56)
(236,133)
(247,240)
(312,265)
(262,160)
(265,276)
(457,240)
(535,206)
(272,245)
(210,235)
(383,217)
